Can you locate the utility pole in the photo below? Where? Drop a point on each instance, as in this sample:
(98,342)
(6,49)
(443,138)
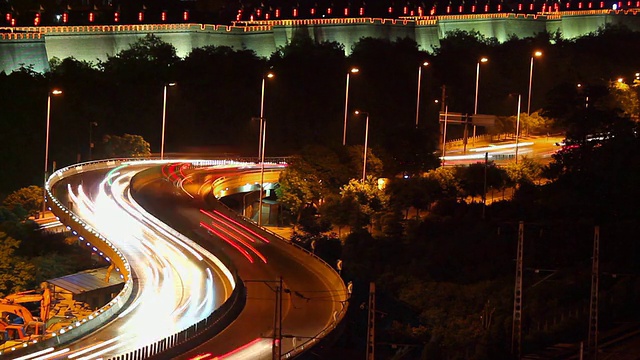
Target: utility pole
(516,333)
(371,322)
(276,344)
(592,344)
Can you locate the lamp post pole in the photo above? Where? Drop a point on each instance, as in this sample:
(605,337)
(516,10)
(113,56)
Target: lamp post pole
(269,75)
(366,141)
(475,106)
(518,127)
(164,117)
(346,104)
(418,95)
(535,54)
(263,140)
(46,148)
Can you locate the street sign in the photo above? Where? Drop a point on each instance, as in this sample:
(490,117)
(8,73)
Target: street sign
(453,117)
(483,120)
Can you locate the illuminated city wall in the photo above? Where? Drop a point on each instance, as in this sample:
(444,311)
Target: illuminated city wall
(36,45)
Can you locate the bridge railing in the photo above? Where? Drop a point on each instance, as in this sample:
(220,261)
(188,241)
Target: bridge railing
(98,243)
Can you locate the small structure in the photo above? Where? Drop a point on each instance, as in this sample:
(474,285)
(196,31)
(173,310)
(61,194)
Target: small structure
(92,287)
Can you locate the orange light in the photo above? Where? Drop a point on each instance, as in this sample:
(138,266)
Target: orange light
(390,10)
(313,11)
(328,11)
(141,16)
(91,17)
(267,16)
(36,21)
(163,16)
(346,11)
(277,14)
(499,7)
(295,12)
(258,12)
(185,15)
(116,16)
(13,22)
(405,10)
(8,16)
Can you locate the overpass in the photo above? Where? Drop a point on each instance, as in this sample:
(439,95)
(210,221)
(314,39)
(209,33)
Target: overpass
(37,45)
(177,292)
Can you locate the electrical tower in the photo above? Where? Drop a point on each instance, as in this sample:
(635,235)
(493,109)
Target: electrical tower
(516,333)
(371,321)
(592,344)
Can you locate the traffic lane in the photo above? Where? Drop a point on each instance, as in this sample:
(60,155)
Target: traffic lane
(307,308)
(118,329)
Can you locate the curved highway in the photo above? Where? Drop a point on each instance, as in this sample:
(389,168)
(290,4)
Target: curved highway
(291,294)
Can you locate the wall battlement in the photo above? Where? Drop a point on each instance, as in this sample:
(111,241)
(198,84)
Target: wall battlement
(35,46)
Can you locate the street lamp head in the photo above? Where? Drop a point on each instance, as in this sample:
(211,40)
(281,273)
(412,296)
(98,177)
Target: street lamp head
(56,92)
(484,60)
(270,75)
(171,84)
(354,70)
(358,112)
(537,53)
(426,63)
(620,80)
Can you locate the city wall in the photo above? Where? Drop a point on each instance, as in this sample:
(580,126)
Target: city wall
(35,46)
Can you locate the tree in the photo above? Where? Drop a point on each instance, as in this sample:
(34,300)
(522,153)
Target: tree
(126,146)
(28,199)
(15,273)
(369,196)
(527,170)
(299,187)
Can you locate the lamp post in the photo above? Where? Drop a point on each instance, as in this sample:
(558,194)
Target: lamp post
(475,106)
(366,140)
(518,127)
(46,148)
(424,64)
(164,117)
(91,125)
(346,104)
(268,75)
(263,140)
(535,54)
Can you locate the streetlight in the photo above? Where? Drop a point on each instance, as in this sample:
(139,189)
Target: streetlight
(46,147)
(475,106)
(482,60)
(263,140)
(268,75)
(518,127)
(164,117)
(366,140)
(353,70)
(424,64)
(535,54)
(91,125)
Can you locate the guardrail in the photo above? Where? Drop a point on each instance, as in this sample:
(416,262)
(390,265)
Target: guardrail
(92,238)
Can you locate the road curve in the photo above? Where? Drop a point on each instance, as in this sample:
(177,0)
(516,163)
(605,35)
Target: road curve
(175,277)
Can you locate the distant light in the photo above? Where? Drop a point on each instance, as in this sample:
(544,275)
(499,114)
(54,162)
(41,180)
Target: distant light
(620,80)
(615,6)
(484,60)
(537,53)
(354,70)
